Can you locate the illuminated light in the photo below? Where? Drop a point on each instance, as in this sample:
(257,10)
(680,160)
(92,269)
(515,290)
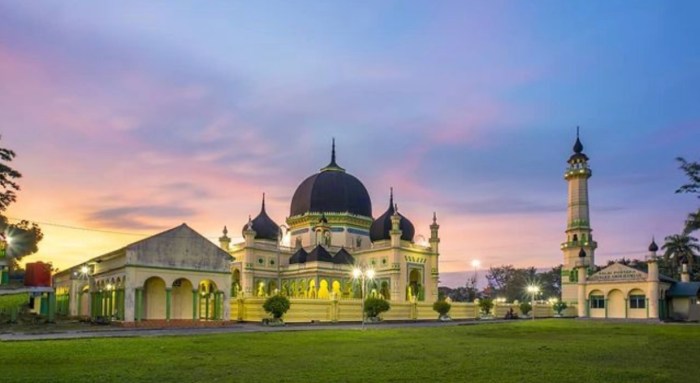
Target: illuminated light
(476,263)
(356,273)
(84,270)
(9,240)
(370,273)
(110,287)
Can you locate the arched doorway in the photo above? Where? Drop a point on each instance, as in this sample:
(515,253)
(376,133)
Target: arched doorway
(414,284)
(236,284)
(616,304)
(323,292)
(207,293)
(154,298)
(181,297)
(336,289)
(384,290)
(312,289)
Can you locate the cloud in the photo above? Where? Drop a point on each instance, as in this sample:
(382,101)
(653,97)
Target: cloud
(139,217)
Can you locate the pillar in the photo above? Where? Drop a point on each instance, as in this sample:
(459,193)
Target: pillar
(168,298)
(139,304)
(195,296)
(626,307)
(51,297)
(582,305)
(129,304)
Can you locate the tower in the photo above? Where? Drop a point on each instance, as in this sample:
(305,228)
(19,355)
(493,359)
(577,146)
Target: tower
(579,239)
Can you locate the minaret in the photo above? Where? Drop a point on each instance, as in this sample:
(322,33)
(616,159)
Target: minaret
(578,226)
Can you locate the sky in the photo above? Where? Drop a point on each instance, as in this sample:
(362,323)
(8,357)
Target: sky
(129,118)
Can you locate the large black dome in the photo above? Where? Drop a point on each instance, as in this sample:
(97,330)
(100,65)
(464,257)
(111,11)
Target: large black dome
(333,191)
(381,227)
(263,225)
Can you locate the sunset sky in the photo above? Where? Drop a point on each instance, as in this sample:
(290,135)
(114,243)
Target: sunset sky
(129,118)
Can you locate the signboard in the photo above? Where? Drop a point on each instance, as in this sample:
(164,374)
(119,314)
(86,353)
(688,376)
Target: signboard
(618,273)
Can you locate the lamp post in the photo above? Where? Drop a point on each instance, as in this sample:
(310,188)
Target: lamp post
(533,290)
(363,274)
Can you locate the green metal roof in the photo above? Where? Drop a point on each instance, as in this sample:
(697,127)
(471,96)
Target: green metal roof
(684,289)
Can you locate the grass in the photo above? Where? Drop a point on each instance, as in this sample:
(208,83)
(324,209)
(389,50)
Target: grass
(522,351)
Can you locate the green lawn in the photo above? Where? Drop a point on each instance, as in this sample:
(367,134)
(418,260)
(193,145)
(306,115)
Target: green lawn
(522,351)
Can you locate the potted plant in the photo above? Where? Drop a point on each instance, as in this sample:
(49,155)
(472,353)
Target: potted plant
(559,307)
(375,306)
(442,307)
(485,305)
(525,308)
(276,305)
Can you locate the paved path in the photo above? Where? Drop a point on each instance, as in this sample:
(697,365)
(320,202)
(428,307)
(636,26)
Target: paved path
(237,328)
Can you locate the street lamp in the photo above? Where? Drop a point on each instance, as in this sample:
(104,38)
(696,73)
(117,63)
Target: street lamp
(533,290)
(363,274)
(475,264)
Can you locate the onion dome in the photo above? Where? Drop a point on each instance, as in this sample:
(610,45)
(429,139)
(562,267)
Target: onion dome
(578,149)
(263,225)
(299,256)
(653,246)
(582,253)
(381,226)
(342,257)
(319,254)
(332,190)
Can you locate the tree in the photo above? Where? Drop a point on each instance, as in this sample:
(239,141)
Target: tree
(550,282)
(7,177)
(510,283)
(375,306)
(276,305)
(692,170)
(20,239)
(680,248)
(442,307)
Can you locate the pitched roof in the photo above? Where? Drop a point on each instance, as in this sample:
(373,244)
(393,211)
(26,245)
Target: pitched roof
(684,289)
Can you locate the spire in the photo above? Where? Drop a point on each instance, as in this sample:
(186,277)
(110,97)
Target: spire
(333,153)
(653,247)
(578,146)
(434,218)
(225,231)
(391,197)
(263,203)
(333,165)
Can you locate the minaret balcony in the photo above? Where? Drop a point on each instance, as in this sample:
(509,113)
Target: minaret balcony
(574,172)
(579,244)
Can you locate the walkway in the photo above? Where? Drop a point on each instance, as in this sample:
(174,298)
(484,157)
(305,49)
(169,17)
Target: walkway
(237,328)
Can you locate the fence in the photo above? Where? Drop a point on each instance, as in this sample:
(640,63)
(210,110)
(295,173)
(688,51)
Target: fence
(350,310)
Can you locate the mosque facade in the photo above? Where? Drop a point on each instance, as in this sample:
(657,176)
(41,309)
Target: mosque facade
(330,231)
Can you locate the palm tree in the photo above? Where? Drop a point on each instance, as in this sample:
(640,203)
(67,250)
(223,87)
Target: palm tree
(679,248)
(693,222)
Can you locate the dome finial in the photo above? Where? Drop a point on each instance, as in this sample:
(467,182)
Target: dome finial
(578,146)
(333,151)
(333,165)
(263,202)
(225,231)
(434,218)
(653,247)
(391,196)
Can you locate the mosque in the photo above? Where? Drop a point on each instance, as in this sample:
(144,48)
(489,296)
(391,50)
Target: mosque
(616,291)
(180,275)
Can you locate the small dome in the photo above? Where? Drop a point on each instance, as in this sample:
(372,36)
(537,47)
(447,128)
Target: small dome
(319,254)
(299,256)
(332,190)
(578,150)
(263,225)
(342,257)
(653,246)
(382,226)
(582,253)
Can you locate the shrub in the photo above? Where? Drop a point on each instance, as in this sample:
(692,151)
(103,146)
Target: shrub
(559,306)
(486,305)
(276,305)
(442,307)
(525,308)
(375,306)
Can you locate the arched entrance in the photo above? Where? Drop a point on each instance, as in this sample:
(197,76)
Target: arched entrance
(414,284)
(182,298)
(323,292)
(208,300)
(616,304)
(236,283)
(154,298)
